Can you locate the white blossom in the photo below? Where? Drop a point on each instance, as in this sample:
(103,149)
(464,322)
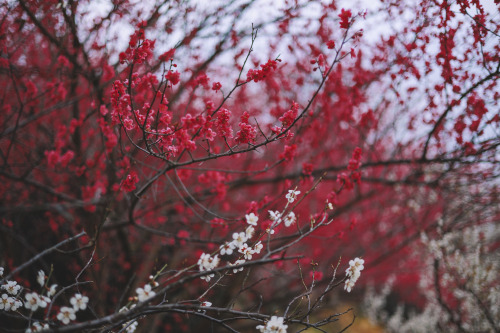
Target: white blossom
(145,293)
(238,262)
(227,248)
(207,263)
(79,302)
(9,303)
(252,219)
(41,278)
(349,284)
(275,217)
(52,290)
(258,247)
(292,195)
(66,314)
(290,219)
(37,327)
(353,273)
(249,232)
(239,238)
(15,304)
(131,326)
(35,301)
(246,251)
(11,287)
(275,325)
(5,302)
(206,304)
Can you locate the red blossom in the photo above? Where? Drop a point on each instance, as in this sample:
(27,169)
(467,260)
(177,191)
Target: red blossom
(128,184)
(247,132)
(267,69)
(222,126)
(216,86)
(344,15)
(289,116)
(167,55)
(288,153)
(173,77)
(354,162)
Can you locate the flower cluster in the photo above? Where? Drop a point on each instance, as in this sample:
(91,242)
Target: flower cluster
(33,301)
(289,117)
(276,218)
(344,15)
(9,303)
(257,75)
(247,132)
(292,194)
(207,263)
(129,326)
(355,161)
(353,273)
(275,325)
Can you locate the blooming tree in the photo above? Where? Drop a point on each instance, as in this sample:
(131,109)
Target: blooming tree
(195,164)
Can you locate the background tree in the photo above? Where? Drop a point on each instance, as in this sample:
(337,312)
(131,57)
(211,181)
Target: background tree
(141,139)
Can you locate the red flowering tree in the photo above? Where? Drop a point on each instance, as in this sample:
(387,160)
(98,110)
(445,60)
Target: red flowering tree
(200,164)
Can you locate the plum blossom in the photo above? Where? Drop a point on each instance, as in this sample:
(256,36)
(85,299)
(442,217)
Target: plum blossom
(132,326)
(252,219)
(207,263)
(258,247)
(11,287)
(34,301)
(239,238)
(227,248)
(9,303)
(15,304)
(206,304)
(52,290)
(292,195)
(145,293)
(5,302)
(66,315)
(41,278)
(129,326)
(238,262)
(275,325)
(249,231)
(246,251)
(275,217)
(79,302)
(37,327)
(353,273)
(290,219)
